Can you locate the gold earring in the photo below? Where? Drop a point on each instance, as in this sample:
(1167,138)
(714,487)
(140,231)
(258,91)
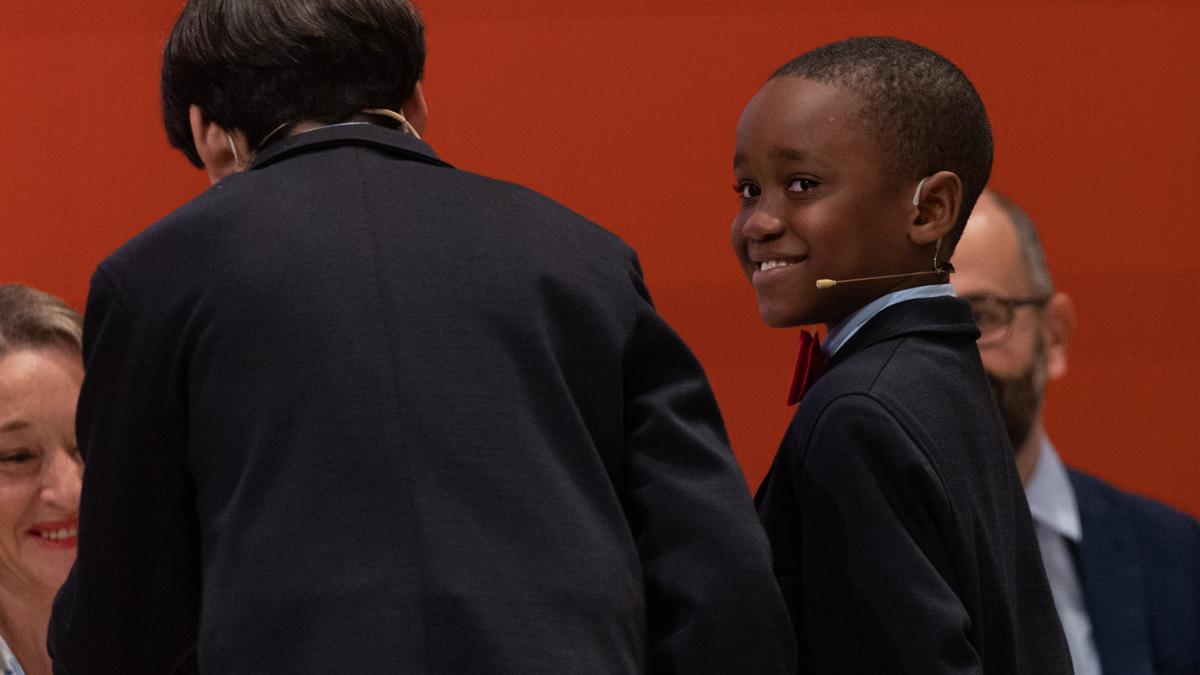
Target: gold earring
(399,117)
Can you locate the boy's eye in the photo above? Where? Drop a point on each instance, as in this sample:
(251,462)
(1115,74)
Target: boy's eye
(801,184)
(747,190)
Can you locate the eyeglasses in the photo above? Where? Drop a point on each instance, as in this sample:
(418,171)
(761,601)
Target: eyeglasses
(994,315)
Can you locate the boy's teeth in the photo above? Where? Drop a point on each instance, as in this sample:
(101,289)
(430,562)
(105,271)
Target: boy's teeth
(772,264)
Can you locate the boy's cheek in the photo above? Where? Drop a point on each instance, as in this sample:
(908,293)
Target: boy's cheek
(737,243)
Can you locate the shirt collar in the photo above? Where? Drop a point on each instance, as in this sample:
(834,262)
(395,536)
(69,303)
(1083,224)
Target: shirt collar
(1051,498)
(840,333)
(8,662)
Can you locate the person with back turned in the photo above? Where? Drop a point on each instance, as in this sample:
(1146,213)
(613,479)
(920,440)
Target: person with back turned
(1125,570)
(353,410)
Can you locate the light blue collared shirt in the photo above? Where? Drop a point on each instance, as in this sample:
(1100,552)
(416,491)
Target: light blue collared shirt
(1056,521)
(845,329)
(8,662)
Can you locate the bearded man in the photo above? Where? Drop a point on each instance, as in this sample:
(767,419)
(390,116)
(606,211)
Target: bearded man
(1124,570)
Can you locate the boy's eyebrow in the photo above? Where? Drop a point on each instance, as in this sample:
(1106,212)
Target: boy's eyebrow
(781,152)
(787,153)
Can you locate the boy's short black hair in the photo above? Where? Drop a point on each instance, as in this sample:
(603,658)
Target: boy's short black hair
(255,64)
(923,111)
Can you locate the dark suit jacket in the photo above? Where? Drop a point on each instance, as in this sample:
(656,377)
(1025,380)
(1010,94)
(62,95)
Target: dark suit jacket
(355,411)
(902,537)
(1139,566)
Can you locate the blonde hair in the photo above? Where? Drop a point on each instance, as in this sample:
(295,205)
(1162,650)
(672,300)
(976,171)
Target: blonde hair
(32,318)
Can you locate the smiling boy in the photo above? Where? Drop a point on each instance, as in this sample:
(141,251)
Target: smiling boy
(901,535)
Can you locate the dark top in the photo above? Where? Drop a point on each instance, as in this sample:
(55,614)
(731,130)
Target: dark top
(355,411)
(1139,567)
(903,541)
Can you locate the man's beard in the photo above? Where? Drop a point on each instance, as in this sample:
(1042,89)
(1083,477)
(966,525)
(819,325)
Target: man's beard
(1020,398)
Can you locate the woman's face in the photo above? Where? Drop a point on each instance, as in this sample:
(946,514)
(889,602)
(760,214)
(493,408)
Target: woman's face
(40,467)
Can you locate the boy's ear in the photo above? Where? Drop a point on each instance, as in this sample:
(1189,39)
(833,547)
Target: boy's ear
(936,207)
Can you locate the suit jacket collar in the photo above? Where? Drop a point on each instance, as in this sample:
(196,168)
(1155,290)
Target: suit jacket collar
(369,135)
(946,316)
(1111,576)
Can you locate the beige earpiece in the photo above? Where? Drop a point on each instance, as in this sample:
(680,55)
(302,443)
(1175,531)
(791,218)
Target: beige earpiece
(237,160)
(917,194)
(399,117)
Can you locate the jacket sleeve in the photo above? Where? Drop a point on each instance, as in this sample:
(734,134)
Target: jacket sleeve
(874,570)
(712,600)
(131,600)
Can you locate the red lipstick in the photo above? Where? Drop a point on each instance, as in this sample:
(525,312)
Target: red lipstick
(57,534)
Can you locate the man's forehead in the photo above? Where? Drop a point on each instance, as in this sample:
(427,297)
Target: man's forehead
(988,257)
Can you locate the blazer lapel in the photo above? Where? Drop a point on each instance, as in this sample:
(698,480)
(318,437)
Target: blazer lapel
(1113,588)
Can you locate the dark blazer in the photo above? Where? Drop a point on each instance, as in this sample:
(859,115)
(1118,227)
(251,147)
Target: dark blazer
(902,538)
(1139,567)
(355,411)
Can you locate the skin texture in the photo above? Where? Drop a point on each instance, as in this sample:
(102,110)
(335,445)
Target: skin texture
(813,195)
(40,477)
(989,261)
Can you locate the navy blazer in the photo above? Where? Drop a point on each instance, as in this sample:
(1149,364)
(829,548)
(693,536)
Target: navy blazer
(356,411)
(1139,567)
(902,537)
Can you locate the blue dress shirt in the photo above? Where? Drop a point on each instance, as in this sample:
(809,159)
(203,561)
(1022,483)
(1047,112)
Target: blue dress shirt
(1056,520)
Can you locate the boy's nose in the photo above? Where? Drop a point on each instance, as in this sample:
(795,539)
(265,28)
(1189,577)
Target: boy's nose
(762,224)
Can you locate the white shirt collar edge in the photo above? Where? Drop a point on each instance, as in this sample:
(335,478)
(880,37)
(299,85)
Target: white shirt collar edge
(1051,496)
(840,333)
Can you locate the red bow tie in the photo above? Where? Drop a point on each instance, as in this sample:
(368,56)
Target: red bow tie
(810,365)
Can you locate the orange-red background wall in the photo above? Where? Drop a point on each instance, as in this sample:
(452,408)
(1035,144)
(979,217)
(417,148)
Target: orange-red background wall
(625,111)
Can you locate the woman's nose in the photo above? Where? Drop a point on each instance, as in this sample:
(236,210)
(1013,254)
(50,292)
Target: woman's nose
(62,479)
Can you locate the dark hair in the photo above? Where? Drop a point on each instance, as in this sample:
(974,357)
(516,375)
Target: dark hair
(31,318)
(924,112)
(252,65)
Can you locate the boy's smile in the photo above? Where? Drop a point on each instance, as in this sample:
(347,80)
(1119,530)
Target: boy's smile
(814,203)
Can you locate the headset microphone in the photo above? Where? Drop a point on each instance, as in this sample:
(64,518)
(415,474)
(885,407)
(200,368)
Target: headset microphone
(830,283)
